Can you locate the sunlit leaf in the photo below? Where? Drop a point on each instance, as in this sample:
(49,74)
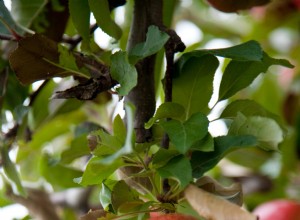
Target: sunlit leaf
(11,171)
(174,169)
(249,108)
(96,172)
(6,21)
(193,87)
(204,161)
(100,9)
(266,130)
(184,134)
(166,110)
(105,197)
(239,75)
(155,40)
(80,14)
(124,72)
(128,144)
(25,11)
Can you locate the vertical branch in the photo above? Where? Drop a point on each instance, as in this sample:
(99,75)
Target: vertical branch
(146,13)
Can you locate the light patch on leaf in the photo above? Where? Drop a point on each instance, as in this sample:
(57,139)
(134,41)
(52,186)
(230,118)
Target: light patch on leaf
(266,130)
(124,72)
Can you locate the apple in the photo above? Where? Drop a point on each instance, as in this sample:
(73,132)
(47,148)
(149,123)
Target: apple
(173,216)
(297,3)
(280,209)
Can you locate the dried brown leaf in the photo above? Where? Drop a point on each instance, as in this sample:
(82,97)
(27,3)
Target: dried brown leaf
(213,207)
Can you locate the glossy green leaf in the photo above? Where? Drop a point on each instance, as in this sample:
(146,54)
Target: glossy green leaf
(204,161)
(178,168)
(248,51)
(80,14)
(166,110)
(249,108)
(193,87)
(100,9)
(266,130)
(53,173)
(163,156)
(96,171)
(184,134)
(124,72)
(121,194)
(105,197)
(239,75)
(206,144)
(155,40)
(25,11)
(10,170)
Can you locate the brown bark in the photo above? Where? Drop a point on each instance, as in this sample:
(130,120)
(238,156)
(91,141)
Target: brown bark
(146,13)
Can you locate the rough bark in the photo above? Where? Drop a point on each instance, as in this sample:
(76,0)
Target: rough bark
(146,13)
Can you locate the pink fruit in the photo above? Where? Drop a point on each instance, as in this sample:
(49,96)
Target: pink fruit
(278,210)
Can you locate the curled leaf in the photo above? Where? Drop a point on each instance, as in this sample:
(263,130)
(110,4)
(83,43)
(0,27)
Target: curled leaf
(213,207)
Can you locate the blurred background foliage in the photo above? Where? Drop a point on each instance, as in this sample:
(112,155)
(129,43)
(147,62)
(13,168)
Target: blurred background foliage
(51,147)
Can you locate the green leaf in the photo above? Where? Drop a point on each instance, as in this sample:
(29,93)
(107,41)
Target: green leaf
(25,11)
(163,156)
(119,128)
(10,170)
(266,130)
(100,9)
(129,141)
(53,173)
(184,134)
(6,21)
(67,61)
(105,196)
(122,194)
(206,144)
(178,168)
(96,171)
(203,161)
(248,51)
(193,87)
(108,144)
(166,110)
(249,108)
(122,71)
(80,14)
(239,75)
(78,148)
(155,40)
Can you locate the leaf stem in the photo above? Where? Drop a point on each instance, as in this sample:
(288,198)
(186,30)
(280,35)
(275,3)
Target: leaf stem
(70,70)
